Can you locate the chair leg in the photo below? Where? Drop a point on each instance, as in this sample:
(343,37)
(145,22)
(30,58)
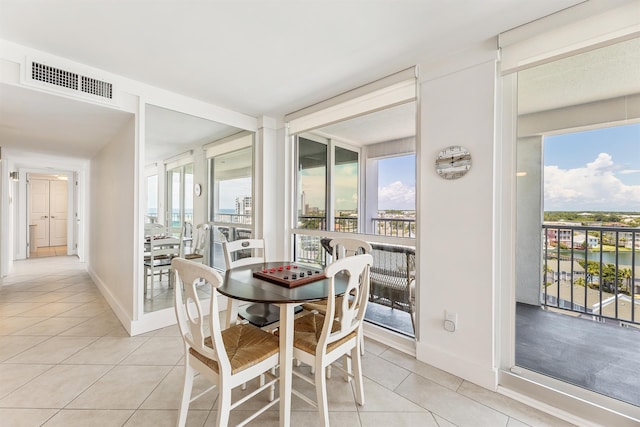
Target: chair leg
(153,273)
(346,365)
(189,373)
(357,374)
(361,339)
(321,395)
(224,405)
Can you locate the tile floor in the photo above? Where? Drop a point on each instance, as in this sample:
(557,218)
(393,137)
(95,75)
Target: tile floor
(48,251)
(65,360)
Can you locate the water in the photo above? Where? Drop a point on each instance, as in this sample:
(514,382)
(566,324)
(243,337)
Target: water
(624,258)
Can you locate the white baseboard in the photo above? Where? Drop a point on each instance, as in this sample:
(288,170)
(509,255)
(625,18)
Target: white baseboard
(469,370)
(115,305)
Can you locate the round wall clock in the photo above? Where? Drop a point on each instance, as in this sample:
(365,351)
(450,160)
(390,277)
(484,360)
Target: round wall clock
(453,162)
(197,189)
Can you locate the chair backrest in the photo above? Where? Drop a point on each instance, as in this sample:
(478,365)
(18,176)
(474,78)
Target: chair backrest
(355,269)
(244,252)
(200,239)
(347,246)
(191,320)
(165,247)
(154,229)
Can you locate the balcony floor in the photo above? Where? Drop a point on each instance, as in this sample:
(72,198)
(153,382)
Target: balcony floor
(600,357)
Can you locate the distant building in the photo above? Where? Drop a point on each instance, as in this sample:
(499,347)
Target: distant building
(582,241)
(244,205)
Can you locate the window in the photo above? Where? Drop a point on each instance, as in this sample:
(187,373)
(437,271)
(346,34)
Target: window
(345,194)
(312,184)
(577,155)
(179,197)
(396,197)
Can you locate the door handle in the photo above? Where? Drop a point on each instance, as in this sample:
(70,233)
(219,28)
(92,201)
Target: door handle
(45,216)
(52,216)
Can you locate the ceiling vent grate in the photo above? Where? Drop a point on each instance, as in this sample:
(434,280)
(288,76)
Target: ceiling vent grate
(54,76)
(97,87)
(70,81)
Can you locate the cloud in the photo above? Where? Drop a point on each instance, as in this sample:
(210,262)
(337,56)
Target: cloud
(397,195)
(593,187)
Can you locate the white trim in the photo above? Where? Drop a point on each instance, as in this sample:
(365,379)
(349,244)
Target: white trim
(393,90)
(584,27)
(468,369)
(229,144)
(391,339)
(176,161)
(118,309)
(570,403)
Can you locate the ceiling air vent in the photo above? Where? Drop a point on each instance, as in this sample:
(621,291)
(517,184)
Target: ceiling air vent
(54,76)
(69,80)
(96,87)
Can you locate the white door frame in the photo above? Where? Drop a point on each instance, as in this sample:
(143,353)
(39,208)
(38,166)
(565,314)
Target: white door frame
(76,200)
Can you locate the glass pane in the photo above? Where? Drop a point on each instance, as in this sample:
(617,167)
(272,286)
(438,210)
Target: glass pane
(312,184)
(232,201)
(188,193)
(174,192)
(152,197)
(346,190)
(396,197)
(308,250)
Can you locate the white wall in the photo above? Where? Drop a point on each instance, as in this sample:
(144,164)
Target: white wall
(111,222)
(456,221)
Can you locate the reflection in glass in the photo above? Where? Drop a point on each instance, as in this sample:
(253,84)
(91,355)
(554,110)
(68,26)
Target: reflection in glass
(312,182)
(180,197)
(152,198)
(232,183)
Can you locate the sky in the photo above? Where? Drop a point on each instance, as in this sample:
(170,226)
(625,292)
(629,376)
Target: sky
(397,183)
(597,170)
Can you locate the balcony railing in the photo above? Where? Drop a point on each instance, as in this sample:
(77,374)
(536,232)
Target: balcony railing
(397,227)
(594,271)
(232,218)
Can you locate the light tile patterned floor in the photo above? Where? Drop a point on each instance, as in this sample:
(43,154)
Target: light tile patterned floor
(65,360)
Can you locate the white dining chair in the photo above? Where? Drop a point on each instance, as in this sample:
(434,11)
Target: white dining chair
(158,260)
(342,247)
(227,358)
(199,244)
(321,339)
(243,252)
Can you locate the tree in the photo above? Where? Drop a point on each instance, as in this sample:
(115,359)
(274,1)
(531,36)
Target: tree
(624,277)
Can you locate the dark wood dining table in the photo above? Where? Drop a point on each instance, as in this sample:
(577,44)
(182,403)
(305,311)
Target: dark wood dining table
(240,285)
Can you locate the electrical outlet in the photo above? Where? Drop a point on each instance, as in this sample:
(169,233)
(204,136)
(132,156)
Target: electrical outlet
(450,321)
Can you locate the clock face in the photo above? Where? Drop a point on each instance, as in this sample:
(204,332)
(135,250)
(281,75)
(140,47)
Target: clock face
(453,162)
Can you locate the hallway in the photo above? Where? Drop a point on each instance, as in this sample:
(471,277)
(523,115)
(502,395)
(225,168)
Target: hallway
(49,251)
(65,360)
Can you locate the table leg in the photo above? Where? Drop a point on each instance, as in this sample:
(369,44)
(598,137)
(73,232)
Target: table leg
(286,362)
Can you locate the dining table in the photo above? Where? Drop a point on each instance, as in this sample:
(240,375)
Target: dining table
(240,285)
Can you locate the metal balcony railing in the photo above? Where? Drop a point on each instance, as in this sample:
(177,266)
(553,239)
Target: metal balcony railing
(397,227)
(594,271)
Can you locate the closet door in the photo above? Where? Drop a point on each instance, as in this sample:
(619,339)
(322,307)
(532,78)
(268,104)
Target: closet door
(58,213)
(39,215)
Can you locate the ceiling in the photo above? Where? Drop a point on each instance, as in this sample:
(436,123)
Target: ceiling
(266,57)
